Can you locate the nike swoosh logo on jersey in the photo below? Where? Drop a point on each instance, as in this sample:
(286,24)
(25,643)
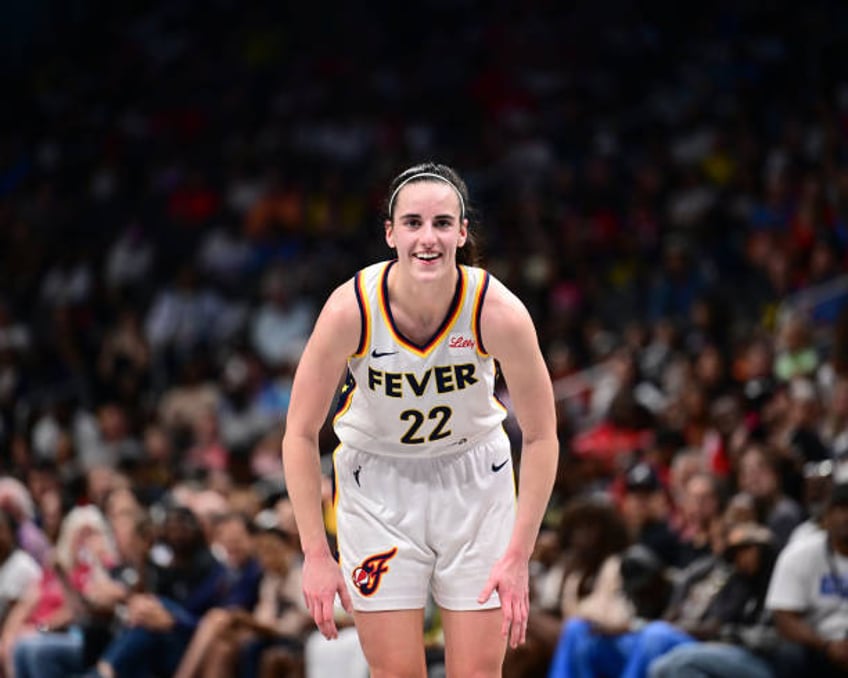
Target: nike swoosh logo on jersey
(379,354)
(498,467)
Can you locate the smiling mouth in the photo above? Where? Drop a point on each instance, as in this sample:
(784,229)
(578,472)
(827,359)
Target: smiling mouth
(427,257)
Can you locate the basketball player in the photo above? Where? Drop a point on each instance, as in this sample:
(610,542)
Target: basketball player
(425,494)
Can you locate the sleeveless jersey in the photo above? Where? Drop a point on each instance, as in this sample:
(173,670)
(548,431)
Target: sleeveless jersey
(406,399)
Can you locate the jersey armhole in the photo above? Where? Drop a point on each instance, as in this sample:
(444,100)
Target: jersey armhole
(479,298)
(364,316)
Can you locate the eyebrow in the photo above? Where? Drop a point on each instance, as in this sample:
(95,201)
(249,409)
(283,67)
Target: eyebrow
(413,215)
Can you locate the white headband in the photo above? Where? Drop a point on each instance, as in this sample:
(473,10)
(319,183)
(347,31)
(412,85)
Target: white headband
(432,176)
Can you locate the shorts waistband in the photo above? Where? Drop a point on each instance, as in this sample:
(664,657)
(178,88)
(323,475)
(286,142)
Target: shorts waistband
(461,446)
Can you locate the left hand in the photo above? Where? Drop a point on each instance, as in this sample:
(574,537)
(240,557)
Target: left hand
(510,577)
(146,611)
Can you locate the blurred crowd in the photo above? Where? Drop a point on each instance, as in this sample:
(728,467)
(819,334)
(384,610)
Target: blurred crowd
(667,192)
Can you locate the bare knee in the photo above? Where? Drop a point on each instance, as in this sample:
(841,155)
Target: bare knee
(216,618)
(396,672)
(475,669)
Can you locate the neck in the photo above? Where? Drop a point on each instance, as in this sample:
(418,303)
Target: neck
(840,546)
(424,300)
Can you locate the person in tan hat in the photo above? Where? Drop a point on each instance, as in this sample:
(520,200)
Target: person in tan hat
(737,638)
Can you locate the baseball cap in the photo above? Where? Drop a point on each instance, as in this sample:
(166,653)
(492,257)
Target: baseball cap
(641,477)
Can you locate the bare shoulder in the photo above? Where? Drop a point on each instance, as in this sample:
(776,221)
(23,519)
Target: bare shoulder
(505,322)
(340,321)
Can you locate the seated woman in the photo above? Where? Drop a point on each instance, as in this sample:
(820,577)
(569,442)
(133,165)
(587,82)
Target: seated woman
(234,642)
(592,535)
(36,640)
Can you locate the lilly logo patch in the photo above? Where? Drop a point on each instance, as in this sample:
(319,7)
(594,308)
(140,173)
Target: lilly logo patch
(459,341)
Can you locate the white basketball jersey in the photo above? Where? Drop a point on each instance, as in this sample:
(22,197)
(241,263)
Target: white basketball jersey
(402,398)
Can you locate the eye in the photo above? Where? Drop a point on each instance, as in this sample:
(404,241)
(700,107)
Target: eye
(444,223)
(412,222)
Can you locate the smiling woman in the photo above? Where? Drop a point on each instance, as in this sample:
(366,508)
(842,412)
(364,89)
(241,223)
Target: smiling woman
(423,504)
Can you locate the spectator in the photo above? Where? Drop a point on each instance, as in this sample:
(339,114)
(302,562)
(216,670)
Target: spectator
(46,609)
(184,582)
(234,534)
(234,637)
(18,569)
(759,476)
(807,593)
(834,425)
(16,500)
(698,508)
(796,354)
(644,508)
(736,639)
(281,325)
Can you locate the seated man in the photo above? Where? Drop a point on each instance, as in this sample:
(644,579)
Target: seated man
(232,641)
(183,583)
(809,590)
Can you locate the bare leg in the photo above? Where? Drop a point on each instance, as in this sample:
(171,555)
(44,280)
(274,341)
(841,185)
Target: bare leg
(278,662)
(220,659)
(393,642)
(213,624)
(474,646)
(105,669)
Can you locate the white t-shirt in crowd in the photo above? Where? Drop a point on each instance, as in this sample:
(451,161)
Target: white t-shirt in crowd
(16,574)
(811,579)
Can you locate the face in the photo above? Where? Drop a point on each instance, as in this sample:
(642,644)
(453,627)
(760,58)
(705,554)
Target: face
(121,503)
(700,504)
(756,477)
(837,524)
(236,541)
(181,532)
(427,229)
(746,559)
(273,553)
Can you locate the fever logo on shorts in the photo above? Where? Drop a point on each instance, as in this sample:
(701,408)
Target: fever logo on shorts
(367,576)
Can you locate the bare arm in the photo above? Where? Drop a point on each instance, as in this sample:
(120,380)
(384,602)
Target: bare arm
(335,337)
(508,334)
(794,627)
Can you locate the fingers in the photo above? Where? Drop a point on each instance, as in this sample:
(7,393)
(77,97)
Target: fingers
(347,604)
(326,622)
(321,608)
(487,591)
(518,630)
(515,609)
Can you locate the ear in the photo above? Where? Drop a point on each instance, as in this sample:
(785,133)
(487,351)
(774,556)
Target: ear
(463,233)
(390,234)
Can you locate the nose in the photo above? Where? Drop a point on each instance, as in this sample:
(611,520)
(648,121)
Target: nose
(428,233)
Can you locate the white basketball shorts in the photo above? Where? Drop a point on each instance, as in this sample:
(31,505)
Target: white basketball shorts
(410,526)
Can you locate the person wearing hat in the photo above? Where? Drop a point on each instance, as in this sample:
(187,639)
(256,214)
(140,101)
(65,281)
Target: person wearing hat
(808,593)
(737,637)
(644,507)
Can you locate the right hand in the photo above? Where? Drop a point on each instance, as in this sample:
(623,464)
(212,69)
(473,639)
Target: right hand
(322,580)
(837,652)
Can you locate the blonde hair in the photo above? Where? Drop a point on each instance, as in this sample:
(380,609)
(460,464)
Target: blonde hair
(78,519)
(21,499)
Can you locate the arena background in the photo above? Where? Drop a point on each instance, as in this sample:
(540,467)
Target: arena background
(182,183)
